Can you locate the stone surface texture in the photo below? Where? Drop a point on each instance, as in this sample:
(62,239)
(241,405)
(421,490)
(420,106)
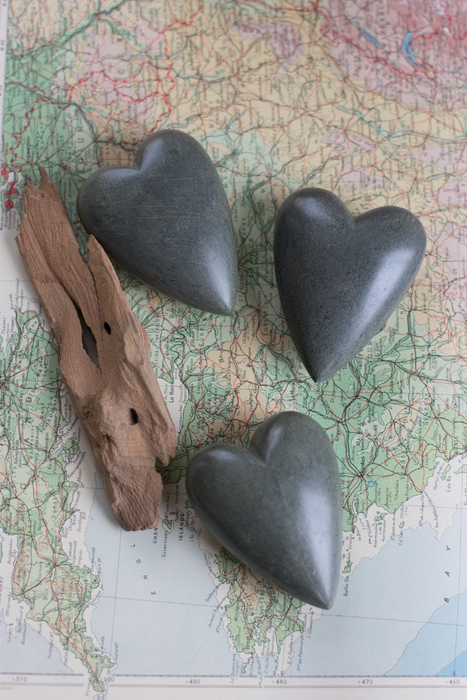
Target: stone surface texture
(341,277)
(277,506)
(167,220)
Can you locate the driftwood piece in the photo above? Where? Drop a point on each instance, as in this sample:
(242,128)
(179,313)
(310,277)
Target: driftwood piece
(119,401)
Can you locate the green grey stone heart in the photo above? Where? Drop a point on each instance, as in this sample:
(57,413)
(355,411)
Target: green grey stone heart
(167,220)
(341,277)
(277,506)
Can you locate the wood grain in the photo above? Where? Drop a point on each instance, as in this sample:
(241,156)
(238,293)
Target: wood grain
(119,402)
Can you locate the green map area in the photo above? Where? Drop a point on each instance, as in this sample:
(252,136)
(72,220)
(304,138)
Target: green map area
(37,496)
(253,614)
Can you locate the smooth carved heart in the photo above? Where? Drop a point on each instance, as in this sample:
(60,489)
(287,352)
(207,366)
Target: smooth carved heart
(277,506)
(167,220)
(341,277)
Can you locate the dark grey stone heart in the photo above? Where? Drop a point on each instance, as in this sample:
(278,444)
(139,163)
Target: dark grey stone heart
(276,506)
(341,277)
(167,220)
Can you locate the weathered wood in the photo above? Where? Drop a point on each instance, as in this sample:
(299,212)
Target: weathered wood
(119,402)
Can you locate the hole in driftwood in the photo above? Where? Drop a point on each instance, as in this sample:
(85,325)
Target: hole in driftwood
(108,329)
(133,416)
(87,338)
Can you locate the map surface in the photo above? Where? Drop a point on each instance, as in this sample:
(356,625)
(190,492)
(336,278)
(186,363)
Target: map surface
(368,100)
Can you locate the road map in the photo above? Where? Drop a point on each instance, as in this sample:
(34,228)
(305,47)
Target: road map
(368,100)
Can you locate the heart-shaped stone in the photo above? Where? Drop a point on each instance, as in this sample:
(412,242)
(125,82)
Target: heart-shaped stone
(341,277)
(167,220)
(277,506)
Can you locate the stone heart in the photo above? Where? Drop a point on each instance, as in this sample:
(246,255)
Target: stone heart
(341,277)
(166,219)
(276,506)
